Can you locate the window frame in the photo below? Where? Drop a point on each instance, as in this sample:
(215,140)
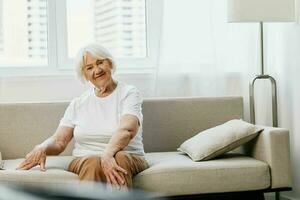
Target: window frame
(58,62)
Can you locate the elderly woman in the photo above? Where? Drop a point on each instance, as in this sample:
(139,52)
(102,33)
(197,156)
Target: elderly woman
(106,123)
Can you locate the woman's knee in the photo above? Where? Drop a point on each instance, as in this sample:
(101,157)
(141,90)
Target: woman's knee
(92,162)
(90,169)
(122,159)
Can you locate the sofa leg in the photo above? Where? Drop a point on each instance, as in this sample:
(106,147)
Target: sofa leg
(257,196)
(254,195)
(277,196)
(261,196)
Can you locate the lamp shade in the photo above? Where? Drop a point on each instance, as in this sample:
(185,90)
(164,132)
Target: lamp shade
(261,10)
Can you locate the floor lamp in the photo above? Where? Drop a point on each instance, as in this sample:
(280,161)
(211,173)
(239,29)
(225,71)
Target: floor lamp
(262,11)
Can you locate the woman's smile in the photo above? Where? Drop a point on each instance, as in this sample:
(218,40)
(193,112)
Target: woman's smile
(100,75)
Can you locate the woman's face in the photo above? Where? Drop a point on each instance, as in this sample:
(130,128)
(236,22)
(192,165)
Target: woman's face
(97,71)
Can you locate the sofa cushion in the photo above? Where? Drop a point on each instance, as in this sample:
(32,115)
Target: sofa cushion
(170,173)
(55,174)
(174,173)
(215,141)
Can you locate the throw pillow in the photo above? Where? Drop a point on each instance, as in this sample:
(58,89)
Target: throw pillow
(215,141)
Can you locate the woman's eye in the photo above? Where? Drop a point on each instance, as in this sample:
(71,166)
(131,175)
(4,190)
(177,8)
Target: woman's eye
(99,62)
(88,68)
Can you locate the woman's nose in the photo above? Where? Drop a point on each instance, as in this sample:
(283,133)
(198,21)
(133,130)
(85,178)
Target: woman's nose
(97,69)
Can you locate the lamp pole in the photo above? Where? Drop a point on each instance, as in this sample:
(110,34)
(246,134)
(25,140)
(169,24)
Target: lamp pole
(261,28)
(274,90)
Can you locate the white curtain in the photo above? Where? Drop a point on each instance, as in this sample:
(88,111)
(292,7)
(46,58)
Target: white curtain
(204,55)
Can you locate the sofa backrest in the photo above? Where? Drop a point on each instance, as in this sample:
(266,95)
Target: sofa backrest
(170,121)
(167,122)
(24,125)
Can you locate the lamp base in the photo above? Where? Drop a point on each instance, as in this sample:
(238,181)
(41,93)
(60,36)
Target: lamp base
(274,99)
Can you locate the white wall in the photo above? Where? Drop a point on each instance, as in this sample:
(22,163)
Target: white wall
(60,88)
(39,89)
(284,63)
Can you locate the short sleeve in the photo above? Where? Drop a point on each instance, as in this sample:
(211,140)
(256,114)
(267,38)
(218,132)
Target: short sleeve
(68,118)
(132,104)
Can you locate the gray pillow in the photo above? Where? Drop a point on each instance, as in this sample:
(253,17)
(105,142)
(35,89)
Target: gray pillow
(215,141)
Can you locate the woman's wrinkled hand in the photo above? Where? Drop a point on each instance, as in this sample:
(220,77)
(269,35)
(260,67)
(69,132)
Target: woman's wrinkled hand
(112,171)
(36,157)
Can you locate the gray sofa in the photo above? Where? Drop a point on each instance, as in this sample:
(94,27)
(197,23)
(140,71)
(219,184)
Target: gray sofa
(264,165)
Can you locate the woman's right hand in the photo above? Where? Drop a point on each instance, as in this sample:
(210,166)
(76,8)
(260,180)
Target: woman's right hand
(36,157)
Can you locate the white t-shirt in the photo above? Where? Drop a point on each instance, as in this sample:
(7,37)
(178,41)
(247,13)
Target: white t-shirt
(95,119)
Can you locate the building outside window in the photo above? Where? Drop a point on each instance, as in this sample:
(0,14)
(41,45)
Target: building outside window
(23,32)
(48,34)
(119,25)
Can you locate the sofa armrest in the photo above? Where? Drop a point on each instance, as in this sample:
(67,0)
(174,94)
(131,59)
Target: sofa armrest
(1,162)
(273,147)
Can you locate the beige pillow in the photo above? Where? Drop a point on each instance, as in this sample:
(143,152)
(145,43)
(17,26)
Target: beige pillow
(218,140)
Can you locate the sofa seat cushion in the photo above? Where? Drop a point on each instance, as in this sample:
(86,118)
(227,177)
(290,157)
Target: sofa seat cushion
(56,172)
(170,173)
(174,173)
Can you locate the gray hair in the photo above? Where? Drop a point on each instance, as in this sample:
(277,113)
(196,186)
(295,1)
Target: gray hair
(95,50)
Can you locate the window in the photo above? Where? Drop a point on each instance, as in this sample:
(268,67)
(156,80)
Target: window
(23,33)
(43,36)
(1,29)
(120,26)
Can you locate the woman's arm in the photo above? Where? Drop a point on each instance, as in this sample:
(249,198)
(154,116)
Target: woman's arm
(52,146)
(58,142)
(128,129)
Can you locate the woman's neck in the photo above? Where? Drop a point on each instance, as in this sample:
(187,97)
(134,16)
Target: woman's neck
(107,89)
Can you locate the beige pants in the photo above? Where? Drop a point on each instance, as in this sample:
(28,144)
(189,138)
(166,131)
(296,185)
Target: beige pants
(89,168)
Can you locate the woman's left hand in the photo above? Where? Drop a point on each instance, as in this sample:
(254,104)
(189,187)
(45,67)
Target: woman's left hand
(112,171)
